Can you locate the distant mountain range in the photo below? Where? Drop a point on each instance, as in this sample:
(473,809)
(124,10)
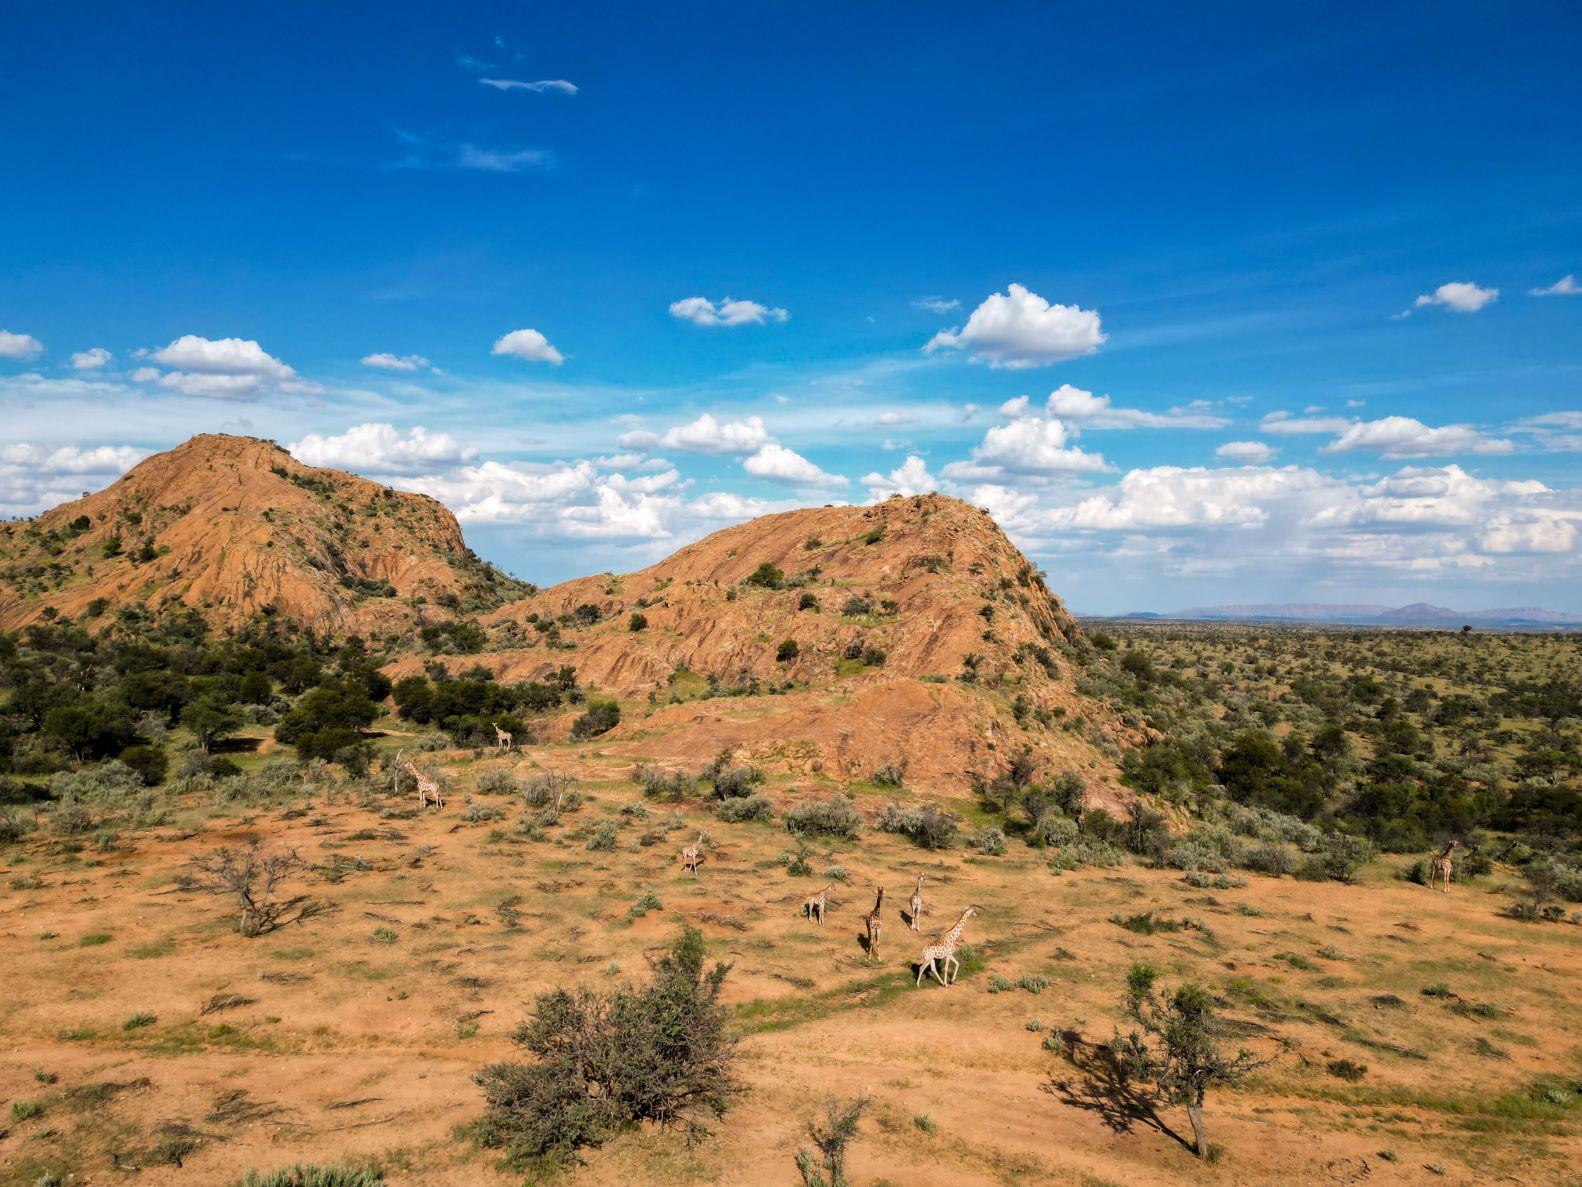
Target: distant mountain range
(1365,614)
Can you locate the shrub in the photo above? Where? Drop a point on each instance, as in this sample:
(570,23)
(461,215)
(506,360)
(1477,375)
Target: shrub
(601,718)
(602,838)
(991,842)
(1347,1069)
(891,774)
(807,602)
(857,606)
(139,1020)
(496,781)
(834,817)
(637,622)
(736,781)
(831,1136)
(308,1175)
(252,876)
(928,826)
(753,807)
(787,651)
(150,762)
(766,576)
(14,825)
(1054,831)
(606,1061)
(1272,859)
(664,785)
(1338,858)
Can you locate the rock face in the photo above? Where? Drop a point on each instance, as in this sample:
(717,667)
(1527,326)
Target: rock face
(235,527)
(921,634)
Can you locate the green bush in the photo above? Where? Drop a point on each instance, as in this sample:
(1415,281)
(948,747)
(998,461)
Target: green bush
(928,826)
(150,762)
(766,576)
(605,1061)
(601,718)
(753,807)
(306,1175)
(834,817)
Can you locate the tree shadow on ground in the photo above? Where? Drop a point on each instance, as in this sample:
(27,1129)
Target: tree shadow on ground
(1100,1086)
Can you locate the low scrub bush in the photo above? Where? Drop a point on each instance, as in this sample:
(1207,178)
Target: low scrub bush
(605,1061)
(928,826)
(834,817)
(739,810)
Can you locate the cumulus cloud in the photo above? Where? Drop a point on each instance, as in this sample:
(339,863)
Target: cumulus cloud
(22,347)
(529,345)
(219,369)
(1566,286)
(1074,405)
(704,435)
(1285,425)
(91,359)
(557,85)
(1018,329)
(1031,447)
(1404,437)
(911,477)
(1252,452)
(1459,296)
(936,304)
(775,463)
(564,500)
(700,311)
(396,362)
(34,478)
(380,449)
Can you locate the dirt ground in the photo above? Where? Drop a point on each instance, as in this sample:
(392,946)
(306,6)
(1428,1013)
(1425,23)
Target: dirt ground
(354,1031)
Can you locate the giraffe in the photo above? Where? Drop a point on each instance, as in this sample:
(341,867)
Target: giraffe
(815,904)
(427,789)
(502,740)
(914,906)
(692,856)
(1441,866)
(943,952)
(874,919)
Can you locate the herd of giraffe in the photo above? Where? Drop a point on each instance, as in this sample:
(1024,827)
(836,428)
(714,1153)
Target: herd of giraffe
(937,957)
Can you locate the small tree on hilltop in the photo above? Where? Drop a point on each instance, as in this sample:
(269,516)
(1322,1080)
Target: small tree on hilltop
(767,576)
(1177,1046)
(252,876)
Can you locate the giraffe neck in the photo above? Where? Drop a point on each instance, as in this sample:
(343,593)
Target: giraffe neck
(878,900)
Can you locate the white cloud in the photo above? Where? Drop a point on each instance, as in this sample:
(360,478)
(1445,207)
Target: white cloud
(34,478)
(1556,432)
(776,463)
(393,362)
(21,347)
(559,500)
(529,345)
(1459,296)
(1566,286)
(704,435)
(381,449)
(1031,447)
(90,359)
(1016,407)
(1018,329)
(219,369)
(1285,425)
(558,85)
(700,311)
(221,356)
(1251,452)
(911,477)
(1404,437)
(1074,405)
(499,160)
(936,304)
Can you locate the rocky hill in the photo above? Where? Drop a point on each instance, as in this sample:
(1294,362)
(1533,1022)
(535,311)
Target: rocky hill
(830,641)
(236,527)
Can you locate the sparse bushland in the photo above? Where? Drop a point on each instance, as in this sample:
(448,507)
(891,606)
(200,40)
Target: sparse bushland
(604,1061)
(825,1164)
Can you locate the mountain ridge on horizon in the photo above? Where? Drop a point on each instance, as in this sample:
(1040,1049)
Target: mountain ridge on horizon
(1365,614)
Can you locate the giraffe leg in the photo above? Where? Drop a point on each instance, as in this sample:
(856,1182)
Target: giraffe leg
(951,960)
(933,969)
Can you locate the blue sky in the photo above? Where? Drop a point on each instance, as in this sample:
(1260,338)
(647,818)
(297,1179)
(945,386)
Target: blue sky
(1283,285)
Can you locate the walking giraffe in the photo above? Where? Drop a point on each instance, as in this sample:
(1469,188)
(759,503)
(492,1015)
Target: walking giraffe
(692,856)
(942,952)
(815,904)
(1442,866)
(502,740)
(427,789)
(914,905)
(874,919)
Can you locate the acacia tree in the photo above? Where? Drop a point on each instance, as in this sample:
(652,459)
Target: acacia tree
(1176,1046)
(831,1135)
(252,876)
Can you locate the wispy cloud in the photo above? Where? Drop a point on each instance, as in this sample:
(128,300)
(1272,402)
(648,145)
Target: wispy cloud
(557,85)
(427,152)
(936,304)
(1566,286)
